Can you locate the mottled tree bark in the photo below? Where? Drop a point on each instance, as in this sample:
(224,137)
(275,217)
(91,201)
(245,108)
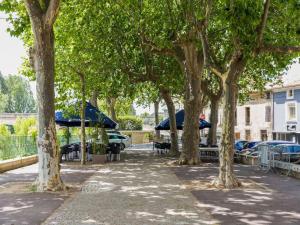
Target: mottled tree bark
(42,60)
(111,104)
(193,68)
(82,117)
(156,115)
(172,118)
(226,177)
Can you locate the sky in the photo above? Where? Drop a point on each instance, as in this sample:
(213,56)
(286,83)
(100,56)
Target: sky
(11,50)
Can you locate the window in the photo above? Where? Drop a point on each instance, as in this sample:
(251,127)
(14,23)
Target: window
(268,95)
(264,135)
(237,135)
(268,114)
(290,94)
(113,137)
(247,115)
(248,135)
(291,111)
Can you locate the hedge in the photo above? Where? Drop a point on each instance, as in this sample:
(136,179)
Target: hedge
(130,123)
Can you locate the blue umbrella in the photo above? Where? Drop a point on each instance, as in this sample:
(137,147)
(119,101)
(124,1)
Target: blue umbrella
(165,124)
(93,117)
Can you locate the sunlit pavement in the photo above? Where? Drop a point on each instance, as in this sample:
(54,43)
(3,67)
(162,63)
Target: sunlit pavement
(139,190)
(20,205)
(142,189)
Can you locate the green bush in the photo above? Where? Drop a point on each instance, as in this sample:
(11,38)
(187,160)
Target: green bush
(4,131)
(130,123)
(26,127)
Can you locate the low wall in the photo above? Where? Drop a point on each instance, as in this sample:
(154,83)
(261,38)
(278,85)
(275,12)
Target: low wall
(11,164)
(137,136)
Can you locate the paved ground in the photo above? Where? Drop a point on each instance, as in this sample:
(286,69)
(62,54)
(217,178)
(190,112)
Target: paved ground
(19,205)
(276,200)
(140,190)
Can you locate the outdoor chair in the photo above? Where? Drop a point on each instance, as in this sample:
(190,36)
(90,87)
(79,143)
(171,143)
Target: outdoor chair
(162,147)
(114,151)
(64,151)
(89,151)
(75,150)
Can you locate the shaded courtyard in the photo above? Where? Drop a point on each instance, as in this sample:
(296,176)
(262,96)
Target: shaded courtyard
(146,189)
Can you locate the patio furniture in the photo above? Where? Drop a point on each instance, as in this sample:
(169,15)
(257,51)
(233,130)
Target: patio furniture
(113,150)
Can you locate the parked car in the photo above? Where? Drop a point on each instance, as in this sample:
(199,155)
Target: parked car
(239,144)
(251,144)
(124,140)
(287,148)
(254,150)
(113,132)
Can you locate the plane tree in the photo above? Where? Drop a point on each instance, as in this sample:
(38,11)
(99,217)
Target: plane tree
(245,40)
(42,15)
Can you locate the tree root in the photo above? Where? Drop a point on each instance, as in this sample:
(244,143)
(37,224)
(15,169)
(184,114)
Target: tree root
(51,186)
(185,161)
(228,183)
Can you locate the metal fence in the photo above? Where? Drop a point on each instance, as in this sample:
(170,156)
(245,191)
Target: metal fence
(20,146)
(269,159)
(17,146)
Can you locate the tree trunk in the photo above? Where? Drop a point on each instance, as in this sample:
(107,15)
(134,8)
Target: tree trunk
(156,115)
(93,99)
(226,178)
(111,103)
(174,151)
(213,119)
(68,135)
(42,60)
(193,67)
(82,117)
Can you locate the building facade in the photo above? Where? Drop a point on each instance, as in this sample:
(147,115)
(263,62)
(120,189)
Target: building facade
(286,110)
(253,120)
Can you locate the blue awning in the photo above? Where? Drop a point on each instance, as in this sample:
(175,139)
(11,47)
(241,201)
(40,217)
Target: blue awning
(93,117)
(165,124)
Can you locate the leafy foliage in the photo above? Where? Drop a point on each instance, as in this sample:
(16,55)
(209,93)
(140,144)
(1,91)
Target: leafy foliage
(130,123)
(26,127)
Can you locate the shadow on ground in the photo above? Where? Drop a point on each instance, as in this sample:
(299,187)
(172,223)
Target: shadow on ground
(21,205)
(274,200)
(140,190)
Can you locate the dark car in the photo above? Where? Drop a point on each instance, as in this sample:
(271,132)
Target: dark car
(287,152)
(251,144)
(239,144)
(254,150)
(287,148)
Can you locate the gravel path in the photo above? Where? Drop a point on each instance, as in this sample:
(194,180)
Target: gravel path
(139,190)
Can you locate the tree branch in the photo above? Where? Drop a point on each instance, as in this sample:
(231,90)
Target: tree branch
(280,49)
(52,12)
(155,49)
(33,8)
(261,26)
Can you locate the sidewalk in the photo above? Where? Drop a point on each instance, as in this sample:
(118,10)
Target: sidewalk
(140,190)
(21,205)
